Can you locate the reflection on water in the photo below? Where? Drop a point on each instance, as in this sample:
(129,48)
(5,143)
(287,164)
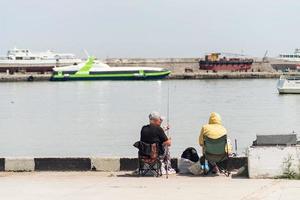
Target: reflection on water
(103,118)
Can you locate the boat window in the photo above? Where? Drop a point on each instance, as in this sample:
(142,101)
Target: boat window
(69,72)
(150,71)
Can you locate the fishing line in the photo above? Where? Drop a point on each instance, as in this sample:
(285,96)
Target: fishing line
(168,131)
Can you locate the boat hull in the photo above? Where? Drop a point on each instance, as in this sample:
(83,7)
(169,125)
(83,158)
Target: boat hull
(34,66)
(288,91)
(239,65)
(82,77)
(288,85)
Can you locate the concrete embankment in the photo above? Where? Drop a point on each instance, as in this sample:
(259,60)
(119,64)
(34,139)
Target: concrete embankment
(86,164)
(175,76)
(226,75)
(178,65)
(24,77)
(181,68)
(261,162)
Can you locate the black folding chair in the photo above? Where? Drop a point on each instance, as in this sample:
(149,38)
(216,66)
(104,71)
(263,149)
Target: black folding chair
(216,152)
(148,159)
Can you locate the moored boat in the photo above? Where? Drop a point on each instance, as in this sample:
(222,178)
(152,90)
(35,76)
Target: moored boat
(23,60)
(287,62)
(218,62)
(95,70)
(289,85)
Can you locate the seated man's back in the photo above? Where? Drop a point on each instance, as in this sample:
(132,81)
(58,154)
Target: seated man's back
(153,134)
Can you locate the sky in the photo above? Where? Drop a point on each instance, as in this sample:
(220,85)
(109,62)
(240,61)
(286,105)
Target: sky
(151,28)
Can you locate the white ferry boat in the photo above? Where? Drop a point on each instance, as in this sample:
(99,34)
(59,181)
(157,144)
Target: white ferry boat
(24,60)
(287,62)
(289,85)
(94,69)
(294,57)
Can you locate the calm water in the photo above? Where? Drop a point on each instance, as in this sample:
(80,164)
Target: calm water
(104,118)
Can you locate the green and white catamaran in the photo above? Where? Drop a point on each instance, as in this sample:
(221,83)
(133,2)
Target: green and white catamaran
(95,70)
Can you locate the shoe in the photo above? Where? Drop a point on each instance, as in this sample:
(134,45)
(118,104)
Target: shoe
(170,171)
(216,170)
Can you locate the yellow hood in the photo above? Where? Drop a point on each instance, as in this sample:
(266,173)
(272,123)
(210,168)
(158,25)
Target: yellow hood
(213,129)
(215,118)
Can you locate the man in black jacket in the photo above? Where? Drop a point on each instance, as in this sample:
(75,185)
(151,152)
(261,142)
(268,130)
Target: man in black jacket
(154,133)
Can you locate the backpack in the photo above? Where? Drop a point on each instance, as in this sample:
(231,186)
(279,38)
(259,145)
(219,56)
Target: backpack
(190,154)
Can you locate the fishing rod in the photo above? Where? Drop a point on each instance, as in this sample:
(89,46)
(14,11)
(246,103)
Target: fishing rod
(168,131)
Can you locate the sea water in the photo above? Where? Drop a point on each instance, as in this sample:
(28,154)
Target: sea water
(104,118)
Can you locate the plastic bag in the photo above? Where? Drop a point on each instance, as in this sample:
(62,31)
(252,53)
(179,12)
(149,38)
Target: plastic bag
(196,169)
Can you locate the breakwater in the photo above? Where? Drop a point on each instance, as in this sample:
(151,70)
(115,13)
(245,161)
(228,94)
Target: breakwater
(230,75)
(177,65)
(181,68)
(183,75)
(86,164)
(18,77)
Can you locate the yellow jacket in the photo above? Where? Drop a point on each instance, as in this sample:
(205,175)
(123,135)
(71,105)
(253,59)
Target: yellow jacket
(214,130)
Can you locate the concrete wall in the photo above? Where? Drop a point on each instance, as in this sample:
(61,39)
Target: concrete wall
(85,164)
(176,65)
(19,164)
(24,77)
(105,164)
(271,162)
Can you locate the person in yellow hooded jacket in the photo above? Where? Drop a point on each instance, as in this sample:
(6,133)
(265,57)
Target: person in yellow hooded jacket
(214,130)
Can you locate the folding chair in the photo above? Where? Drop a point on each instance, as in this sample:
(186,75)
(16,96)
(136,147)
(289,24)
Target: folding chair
(148,159)
(215,153)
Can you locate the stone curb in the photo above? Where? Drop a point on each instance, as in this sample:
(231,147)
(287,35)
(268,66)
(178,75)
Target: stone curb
(19,164)
(86,164)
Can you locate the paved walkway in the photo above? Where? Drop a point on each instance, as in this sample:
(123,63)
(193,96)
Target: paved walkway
(98,185)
